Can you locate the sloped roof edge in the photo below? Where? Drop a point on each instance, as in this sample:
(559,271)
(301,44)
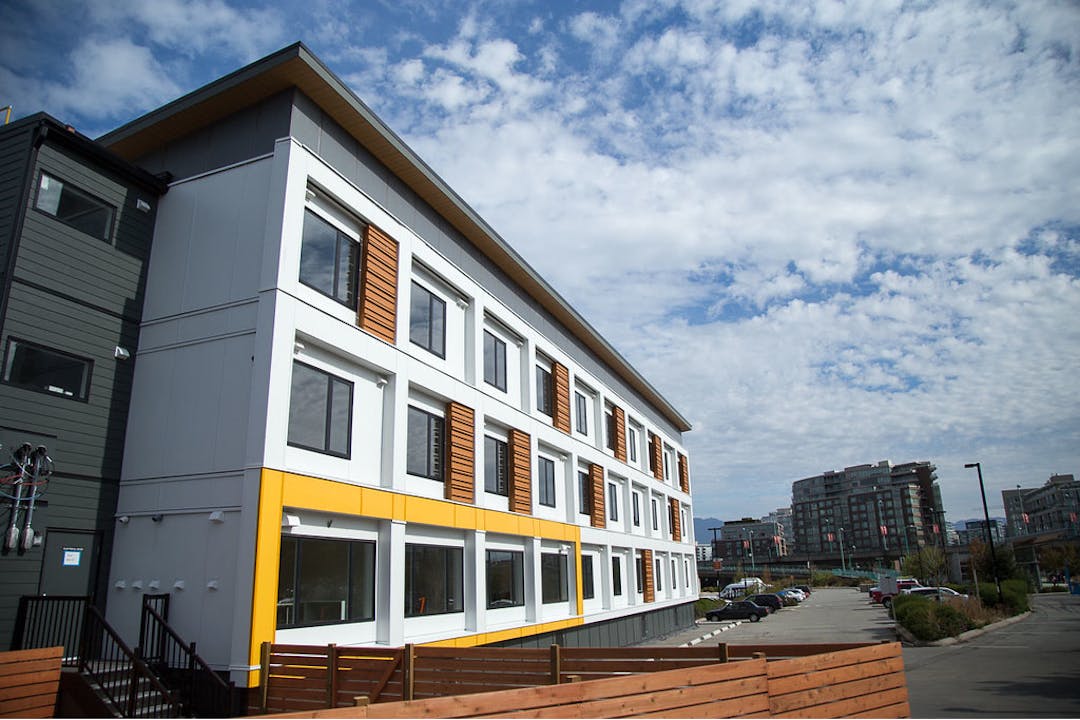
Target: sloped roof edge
(296,66)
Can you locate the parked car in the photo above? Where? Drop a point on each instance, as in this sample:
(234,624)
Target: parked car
(789,597)
(738,610)
(804,588)
(771,601)
(797,592)
(934,592)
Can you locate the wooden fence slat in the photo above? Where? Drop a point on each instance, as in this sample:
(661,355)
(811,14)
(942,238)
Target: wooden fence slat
(833,659)
(853,706)
(797,683)
(746,706)
(637,703)
(538,654)
(783,704)
(790,650)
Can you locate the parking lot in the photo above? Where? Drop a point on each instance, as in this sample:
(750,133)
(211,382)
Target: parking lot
(828,615)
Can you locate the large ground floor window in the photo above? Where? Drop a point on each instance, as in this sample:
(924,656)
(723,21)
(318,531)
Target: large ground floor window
(325,581)
(505,578)
(434,580)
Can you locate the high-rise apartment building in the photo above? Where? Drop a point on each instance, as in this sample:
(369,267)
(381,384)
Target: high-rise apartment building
(867,513)
(751,542)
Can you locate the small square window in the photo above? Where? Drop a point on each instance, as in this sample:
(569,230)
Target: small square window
(35,367)
(74,207)
(505,571)
(427,320)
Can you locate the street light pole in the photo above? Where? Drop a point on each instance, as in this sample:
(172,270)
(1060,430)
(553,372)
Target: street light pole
(989,535)
(843,565)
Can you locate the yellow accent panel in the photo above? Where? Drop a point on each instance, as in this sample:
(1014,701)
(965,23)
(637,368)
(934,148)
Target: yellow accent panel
(267,558)
(279,490)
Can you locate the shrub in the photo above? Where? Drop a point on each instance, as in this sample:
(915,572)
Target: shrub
(914,613)
(949,620)
(704,605)
(1013,590)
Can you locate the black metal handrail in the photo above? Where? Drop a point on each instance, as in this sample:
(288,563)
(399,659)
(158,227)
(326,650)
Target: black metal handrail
(122,676)
(202,692)
(56,620)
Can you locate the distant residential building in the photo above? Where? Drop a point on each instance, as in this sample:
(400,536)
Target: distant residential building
(867,513)
(750,542)
(975,530)
(1054,506)
(704,552)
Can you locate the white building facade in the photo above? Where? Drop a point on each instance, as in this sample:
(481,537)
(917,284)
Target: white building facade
(358,417)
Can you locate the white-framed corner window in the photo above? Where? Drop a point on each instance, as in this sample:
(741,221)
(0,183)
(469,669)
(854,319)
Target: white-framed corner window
(669,463)
(427,319)
(545,481)
(501,357)
(425,441)
(545,387)
(635,508)
(496,465)
(584,492)
(613,501)
(588,576)
(654,508)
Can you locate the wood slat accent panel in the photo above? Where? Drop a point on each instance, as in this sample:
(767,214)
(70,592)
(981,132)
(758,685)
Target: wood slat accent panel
(850,683)
(520,461)
(619,415)
(684,473)
(29,681)
(676,519)
(560,380)
(598,499)
(650,584)
(377,310)
(460,484)
(656,456)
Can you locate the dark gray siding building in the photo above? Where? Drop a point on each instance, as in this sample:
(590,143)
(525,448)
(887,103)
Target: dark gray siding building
(75,229)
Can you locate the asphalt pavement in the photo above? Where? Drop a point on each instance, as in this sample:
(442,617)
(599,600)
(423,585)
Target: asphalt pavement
(1029,668)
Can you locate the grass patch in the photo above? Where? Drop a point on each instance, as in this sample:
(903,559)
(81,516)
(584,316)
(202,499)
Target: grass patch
(704,605)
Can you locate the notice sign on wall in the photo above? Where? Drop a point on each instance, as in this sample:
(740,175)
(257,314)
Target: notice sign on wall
(72,556)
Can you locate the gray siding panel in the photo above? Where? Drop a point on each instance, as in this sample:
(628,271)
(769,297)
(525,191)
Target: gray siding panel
(90,433)
(319,132)
(242,136)
(621,632)
(14,149)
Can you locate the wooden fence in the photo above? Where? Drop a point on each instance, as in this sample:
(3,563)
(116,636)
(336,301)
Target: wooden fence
(29,680)
(821,680)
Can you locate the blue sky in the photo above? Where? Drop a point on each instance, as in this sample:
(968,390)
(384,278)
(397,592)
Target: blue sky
(831,233)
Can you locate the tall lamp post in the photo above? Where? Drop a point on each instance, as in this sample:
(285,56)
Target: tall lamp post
(843,565)
(989,535)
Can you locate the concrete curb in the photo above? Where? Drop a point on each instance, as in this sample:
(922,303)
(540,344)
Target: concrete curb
(908,639)
(714,633)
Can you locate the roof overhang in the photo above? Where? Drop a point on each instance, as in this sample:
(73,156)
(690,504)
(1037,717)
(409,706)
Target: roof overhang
(296,66)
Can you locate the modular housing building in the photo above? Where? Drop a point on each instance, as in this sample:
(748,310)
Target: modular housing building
(359,417)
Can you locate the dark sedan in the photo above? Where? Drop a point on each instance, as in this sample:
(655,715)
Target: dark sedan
(771,601)
(740,610)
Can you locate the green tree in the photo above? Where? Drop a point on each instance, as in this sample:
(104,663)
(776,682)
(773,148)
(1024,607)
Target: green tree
(928,564)
(984,563)
(1054,558)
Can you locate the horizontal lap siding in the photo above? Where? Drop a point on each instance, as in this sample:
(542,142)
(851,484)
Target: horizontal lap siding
(520,461)
(14,151)
(377,312)
(561,384)
(461,478)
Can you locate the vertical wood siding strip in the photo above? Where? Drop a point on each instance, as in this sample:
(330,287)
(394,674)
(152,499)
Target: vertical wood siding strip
(597,504)
(684,473)
(460,480)
(676,520)
(561,380)
(620,432)
(656,453)
(520,472)
(650,585)
(377,309)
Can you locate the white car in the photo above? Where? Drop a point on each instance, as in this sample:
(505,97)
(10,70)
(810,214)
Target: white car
(943,592)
